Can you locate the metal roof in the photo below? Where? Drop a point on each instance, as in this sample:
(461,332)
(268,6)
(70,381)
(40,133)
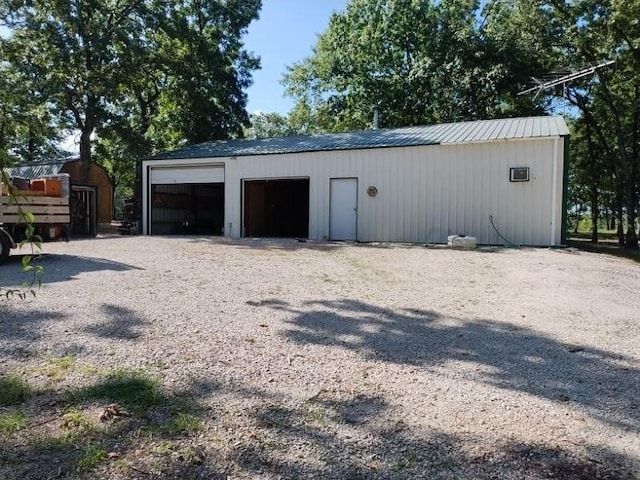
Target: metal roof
(443,134)
(39,169)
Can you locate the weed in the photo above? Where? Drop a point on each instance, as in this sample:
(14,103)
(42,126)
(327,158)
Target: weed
(184,423)
(88,369)
(135,389)
(62,443)
(12,422)
(13,390)
(407,461)
(57,367)
(191,455)
(10,459)
(162,448)
(320,415)
(78,422)
(159,364)
(123,465)
(93,454)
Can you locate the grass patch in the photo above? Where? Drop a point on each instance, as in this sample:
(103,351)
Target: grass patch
(14,390)
(10,459)
(184,423)
(320,415)
(163,448)
(57,367)
(63,443)
(12,422)
(78,422)
(92,455)
(123,465)
(135,389)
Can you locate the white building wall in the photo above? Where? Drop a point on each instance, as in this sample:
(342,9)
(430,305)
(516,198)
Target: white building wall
(425,193)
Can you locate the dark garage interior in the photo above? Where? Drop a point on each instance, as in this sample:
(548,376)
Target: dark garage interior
(187,209)
(276,208)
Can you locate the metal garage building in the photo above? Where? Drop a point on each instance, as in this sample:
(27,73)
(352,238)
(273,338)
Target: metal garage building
(417,184)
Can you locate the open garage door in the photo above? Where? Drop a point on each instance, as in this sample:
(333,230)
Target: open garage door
(187,200)
(276,208)
(187,209)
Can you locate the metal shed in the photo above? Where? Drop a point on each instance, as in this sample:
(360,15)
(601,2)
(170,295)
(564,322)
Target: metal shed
(486,179)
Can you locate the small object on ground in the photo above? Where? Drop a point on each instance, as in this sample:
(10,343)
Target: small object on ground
(112,412)
(462,242)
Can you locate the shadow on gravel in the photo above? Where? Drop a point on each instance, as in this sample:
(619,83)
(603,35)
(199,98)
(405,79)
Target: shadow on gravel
(142,429)
(122,324)
(292,244)
(520,359)
(146,431)
(59,268)
(337,434)
(22,327)
(270,244)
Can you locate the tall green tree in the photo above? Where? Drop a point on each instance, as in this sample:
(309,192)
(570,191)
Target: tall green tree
(207,68)
(72,48)
(591,31)
(145,74)
(27,128)
(419,62)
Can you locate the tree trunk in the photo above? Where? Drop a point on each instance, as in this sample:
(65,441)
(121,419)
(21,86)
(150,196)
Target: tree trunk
(595,212)
(595,177)
(31,145)
(631,239)
(85,155)
(620,231)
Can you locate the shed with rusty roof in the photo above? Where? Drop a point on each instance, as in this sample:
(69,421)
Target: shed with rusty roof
(497,180)
(90,202)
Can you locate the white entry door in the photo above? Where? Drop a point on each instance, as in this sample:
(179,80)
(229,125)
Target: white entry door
(343,220)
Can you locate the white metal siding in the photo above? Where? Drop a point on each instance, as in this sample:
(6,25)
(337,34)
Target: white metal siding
(200,174)
(425,193)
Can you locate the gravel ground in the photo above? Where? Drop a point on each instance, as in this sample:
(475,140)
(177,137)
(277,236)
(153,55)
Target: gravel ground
(310,360)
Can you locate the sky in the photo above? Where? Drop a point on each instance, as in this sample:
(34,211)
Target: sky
(285,33)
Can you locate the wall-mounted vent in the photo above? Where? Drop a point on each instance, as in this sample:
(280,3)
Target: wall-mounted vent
(519,174)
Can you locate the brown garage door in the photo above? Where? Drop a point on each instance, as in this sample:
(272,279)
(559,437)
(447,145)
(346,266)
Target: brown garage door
(276,208)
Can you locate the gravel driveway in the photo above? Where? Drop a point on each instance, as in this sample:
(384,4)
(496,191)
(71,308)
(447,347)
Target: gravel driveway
(307,360)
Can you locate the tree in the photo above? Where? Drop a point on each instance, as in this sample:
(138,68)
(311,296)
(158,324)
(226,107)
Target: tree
(609,102)
(145,74)
(27,129)
(73,49)
(421,62)
(269,125)
(206,68)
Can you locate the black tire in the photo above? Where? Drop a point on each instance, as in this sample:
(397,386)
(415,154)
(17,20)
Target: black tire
(5,248)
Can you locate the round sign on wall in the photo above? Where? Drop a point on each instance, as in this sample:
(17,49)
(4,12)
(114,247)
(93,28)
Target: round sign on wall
(372,191)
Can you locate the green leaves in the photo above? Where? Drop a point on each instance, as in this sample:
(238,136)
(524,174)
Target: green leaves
(420,61)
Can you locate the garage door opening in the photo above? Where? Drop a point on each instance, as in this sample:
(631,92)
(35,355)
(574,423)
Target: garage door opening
(187,209)
(276,208)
